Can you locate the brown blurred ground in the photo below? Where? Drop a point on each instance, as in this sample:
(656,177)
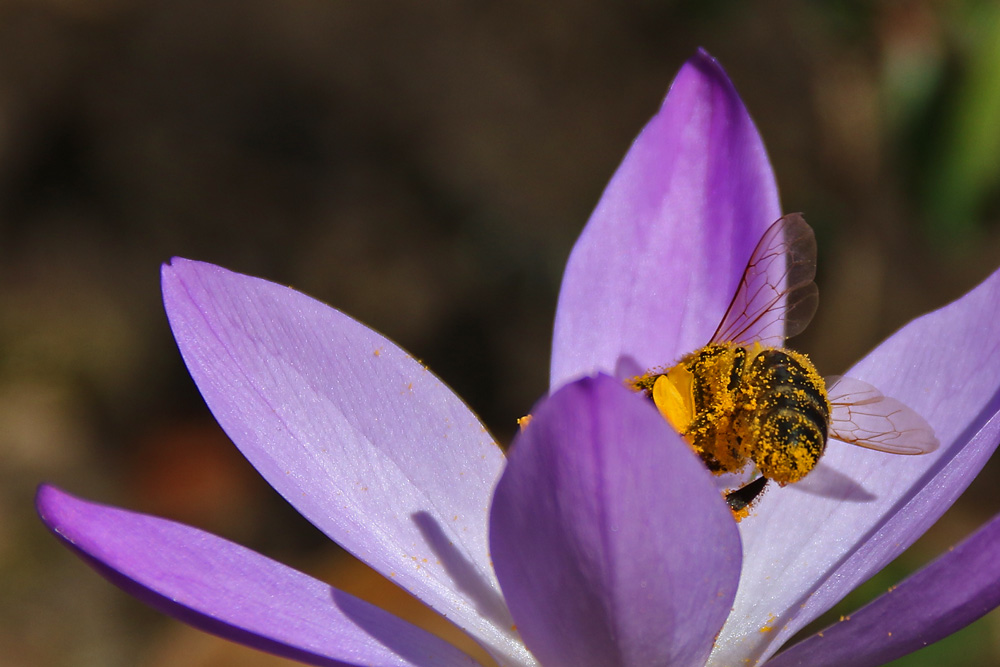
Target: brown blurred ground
(424,167)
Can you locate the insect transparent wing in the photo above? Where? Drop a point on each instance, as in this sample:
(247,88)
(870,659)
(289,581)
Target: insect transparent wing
(777,286)
(861,415)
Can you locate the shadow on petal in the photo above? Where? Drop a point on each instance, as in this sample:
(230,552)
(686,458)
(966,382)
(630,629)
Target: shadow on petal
(828,482)
(376,628)
(466,579)
(627,367)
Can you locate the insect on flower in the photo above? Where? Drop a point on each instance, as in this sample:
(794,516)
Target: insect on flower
(746,398)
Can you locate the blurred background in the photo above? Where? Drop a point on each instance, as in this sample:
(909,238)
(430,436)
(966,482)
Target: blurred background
(424,167)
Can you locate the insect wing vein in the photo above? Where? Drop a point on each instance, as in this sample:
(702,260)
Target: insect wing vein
(776,287)
(863,416)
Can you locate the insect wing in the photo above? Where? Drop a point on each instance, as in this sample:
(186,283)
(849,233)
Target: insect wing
(777,286)
(861,415)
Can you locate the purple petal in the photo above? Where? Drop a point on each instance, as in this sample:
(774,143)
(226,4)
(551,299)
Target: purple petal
(609,538)
(360,437)
(236,593)
(953,591)
(821,544)
(658,262)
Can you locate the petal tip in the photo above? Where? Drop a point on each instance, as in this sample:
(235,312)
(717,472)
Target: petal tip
(595,381)
(45,496)
(172,264)
(701,55)
(178,265)
(589,387)
(704,66)
(179,273)
(169,271)
(54,507)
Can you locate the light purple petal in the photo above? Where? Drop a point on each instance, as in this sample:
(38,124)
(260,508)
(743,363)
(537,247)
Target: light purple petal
(236,593)
(360,437)
(953,591)
(806,548)
(658,262)
(610,541)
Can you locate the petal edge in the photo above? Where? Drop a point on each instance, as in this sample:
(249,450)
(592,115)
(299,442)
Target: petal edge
(659,260)
(956,589)
(231,591)
(603,506)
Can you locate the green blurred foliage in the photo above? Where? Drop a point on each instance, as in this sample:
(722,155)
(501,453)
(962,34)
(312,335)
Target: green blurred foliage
(944,98)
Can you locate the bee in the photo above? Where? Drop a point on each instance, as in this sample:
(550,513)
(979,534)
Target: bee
(745,398)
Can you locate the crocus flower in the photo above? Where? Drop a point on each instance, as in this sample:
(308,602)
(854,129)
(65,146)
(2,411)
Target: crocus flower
(601,539)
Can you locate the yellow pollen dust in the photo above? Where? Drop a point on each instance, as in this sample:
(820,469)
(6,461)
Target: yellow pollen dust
(735,404)
(769,624)
(742,513)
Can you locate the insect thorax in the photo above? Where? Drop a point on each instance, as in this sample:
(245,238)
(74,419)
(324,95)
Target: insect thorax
(736,404)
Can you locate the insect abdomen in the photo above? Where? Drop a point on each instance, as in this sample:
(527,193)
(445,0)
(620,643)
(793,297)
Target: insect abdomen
(788,414)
